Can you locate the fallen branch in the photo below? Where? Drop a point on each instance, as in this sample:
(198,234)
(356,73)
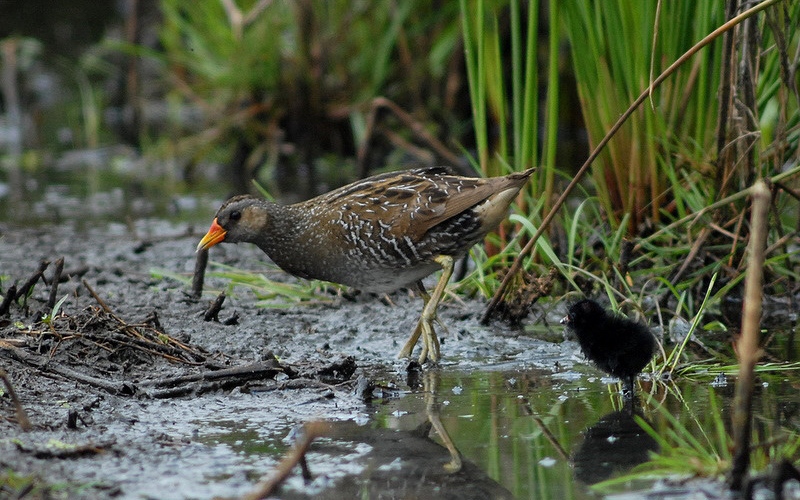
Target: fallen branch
(46,364)
(246,372)
(65,450)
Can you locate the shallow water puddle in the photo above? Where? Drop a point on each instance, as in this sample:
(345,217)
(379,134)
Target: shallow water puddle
(522,434)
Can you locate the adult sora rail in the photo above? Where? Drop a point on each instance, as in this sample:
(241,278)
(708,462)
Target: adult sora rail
(377,234)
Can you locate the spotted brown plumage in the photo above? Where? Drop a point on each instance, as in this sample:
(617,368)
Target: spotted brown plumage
(377,234)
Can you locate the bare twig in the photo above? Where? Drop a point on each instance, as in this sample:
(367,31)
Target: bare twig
(28,285)
(140,338)
(417,128)
(97,298)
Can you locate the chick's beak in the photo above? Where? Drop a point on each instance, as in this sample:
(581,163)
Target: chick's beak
(214,235)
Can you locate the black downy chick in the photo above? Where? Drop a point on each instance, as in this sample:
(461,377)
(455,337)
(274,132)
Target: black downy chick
(616,345)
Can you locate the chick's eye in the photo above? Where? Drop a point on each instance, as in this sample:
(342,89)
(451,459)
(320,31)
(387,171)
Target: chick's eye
(236,215)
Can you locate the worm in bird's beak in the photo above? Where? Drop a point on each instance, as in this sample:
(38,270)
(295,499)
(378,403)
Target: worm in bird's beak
(214,235)
(565,320)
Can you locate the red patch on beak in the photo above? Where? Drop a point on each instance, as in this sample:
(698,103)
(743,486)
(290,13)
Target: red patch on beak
(214,235)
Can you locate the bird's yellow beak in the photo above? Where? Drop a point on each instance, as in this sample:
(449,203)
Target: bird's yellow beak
(214,235)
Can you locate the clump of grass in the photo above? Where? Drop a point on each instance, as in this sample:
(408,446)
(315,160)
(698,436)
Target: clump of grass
(504,85)
(617,48)
(17,485)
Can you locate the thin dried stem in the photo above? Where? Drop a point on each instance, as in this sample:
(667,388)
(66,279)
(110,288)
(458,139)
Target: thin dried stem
(748,349)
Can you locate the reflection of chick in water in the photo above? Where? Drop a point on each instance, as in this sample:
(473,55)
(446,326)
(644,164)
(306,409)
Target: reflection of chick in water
(615,443)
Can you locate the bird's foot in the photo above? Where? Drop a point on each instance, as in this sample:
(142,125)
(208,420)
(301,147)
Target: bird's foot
(430,343)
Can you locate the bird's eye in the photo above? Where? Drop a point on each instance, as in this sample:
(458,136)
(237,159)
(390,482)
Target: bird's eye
(236,215)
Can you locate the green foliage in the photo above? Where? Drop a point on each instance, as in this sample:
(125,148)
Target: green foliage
(700,445)
(511,108)
(48,318)
(268,72)
(617,48)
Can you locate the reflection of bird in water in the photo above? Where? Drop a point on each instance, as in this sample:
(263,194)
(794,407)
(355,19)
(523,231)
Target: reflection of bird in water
(616,443)
(395,464)
(378,234)
(618,346)
(432,408)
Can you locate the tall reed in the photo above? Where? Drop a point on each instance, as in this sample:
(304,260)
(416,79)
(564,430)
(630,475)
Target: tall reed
(616,48)
(505,85)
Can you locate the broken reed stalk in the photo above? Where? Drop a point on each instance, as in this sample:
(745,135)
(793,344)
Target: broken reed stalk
(748,345)
(22,417)
(11,293)
(212,313)
(26,287)
(59,268)
(200,263)
(528,248)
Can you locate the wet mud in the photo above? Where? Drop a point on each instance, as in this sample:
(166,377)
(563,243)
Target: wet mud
(132,393)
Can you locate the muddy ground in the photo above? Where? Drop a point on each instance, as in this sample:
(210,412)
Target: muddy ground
(123,388)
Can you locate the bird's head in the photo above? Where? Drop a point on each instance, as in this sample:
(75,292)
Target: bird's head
(240,219)
(584,313)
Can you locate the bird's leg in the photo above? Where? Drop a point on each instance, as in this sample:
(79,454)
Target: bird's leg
(412,341)
(429,311)
(405,352)
(430,344)
(425,299)
(627,389)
